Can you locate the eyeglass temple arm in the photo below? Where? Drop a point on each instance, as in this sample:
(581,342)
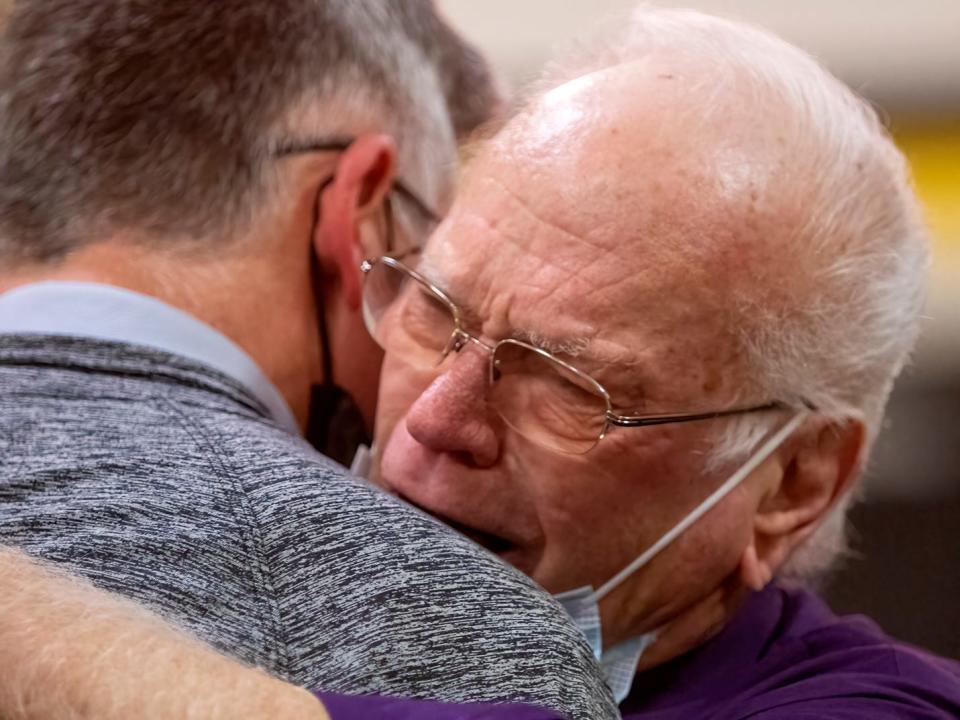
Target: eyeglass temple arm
(341,144)
(646,420)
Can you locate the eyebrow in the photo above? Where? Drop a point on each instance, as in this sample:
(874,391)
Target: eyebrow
(568,346)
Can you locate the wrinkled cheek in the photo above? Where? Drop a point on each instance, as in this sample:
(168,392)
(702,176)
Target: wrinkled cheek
(603,510)
(559,497)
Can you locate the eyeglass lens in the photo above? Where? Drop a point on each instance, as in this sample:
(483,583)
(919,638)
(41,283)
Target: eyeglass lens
(405,317)
(545,401)
(534,393)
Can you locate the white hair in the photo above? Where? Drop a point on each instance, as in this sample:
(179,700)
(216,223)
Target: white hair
(840,344)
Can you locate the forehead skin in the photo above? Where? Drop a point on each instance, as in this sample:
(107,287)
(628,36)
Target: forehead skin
(614,211)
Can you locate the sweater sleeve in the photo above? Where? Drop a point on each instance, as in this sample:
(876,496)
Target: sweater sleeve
(373,707)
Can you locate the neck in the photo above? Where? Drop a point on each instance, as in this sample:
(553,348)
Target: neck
(694,626)
(241,292)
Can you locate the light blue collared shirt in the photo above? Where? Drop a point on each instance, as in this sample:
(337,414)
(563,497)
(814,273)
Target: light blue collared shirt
(105,312)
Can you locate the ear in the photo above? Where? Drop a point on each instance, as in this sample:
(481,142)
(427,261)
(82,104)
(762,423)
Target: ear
(355,195)
(807,477)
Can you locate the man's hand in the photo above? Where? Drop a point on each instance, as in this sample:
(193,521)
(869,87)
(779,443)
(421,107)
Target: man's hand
(69,651)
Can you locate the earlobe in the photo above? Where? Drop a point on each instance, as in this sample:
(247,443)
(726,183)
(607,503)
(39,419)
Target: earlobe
(755,573)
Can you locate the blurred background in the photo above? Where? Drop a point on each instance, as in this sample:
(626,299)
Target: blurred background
(905,57)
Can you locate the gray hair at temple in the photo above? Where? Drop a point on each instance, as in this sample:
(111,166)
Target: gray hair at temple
(161,119)
(859,236)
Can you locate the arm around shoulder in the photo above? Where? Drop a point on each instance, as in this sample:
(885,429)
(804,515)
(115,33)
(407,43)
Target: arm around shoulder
(70,650)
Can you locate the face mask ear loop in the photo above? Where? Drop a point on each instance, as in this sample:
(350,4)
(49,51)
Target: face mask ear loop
(748,467)
(326,357)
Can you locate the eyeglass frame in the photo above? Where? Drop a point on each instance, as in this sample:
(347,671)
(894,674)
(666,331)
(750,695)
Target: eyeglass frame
(460,337)
(340,144)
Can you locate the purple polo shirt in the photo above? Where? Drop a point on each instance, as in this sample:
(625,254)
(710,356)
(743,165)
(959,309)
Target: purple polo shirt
(372,707)
(786,656)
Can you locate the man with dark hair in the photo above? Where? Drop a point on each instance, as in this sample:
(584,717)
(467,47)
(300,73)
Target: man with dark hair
(186,191)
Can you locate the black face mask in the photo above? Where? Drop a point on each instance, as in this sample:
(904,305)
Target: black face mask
(335,425)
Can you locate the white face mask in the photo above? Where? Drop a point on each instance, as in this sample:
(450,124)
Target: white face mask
(619,663)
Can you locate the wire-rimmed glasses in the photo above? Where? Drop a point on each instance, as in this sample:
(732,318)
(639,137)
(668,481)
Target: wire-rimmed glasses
(541,397)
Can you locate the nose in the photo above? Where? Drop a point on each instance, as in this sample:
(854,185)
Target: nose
(452,416)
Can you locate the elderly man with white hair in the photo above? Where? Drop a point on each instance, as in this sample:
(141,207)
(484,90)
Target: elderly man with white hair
(645,359)
(646,356)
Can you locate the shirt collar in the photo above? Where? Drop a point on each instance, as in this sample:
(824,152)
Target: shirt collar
(105,312)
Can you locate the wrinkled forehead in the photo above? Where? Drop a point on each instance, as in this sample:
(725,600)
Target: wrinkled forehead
(634,328)
(611,228)
(584,208)
(517,274)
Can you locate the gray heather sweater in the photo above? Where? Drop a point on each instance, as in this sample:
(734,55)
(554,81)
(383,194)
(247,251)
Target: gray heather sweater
(165,481)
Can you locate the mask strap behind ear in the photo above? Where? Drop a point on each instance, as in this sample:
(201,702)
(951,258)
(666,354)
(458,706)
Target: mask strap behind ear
(326,357)
(738,477)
